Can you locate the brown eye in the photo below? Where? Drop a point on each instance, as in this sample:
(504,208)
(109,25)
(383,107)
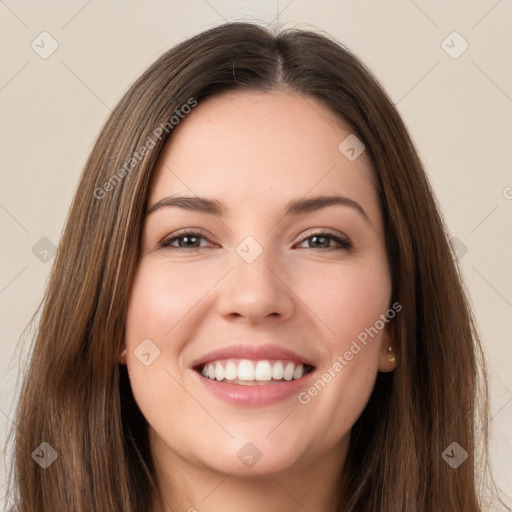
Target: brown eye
(186,240)
(322,240)
(191,240)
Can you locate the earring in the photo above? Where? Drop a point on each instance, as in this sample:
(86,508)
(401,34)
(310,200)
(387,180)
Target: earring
(391,357)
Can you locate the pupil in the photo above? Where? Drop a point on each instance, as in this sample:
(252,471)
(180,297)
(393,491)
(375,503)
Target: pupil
(320,237)
(188,238)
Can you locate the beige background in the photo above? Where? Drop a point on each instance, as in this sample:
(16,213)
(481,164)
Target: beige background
(459,112)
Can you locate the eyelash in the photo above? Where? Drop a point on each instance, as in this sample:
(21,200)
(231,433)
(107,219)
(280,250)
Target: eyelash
(343,242)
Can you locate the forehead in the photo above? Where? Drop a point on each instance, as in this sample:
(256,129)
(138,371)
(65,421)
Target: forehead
(261,148)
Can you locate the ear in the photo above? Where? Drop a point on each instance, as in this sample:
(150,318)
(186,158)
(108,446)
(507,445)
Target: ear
(387,355)
(122,357)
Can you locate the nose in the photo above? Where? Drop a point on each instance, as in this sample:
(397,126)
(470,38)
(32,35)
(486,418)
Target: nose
(255,291)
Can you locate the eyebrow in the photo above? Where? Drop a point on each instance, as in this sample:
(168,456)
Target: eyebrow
(295,207)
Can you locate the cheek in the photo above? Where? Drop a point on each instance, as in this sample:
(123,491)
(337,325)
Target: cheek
(161,309)
(349,302)
(347,298)
(162,300)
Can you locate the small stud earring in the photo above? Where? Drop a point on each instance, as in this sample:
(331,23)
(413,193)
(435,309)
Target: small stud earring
(391,357)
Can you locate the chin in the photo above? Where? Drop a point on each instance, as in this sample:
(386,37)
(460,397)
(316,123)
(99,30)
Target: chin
(251,456)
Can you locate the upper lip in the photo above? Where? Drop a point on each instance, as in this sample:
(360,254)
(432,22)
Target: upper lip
(253,352)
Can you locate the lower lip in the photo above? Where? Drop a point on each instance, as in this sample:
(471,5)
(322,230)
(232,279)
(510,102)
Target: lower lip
(267,394)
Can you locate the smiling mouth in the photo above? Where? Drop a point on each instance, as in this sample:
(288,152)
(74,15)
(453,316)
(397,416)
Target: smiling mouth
(247,372)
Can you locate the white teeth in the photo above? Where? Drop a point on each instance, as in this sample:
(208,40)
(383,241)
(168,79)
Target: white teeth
(288,371)
(263,371)
(298,373)
(247,371)
(219,372)
(231,371)
(278,371)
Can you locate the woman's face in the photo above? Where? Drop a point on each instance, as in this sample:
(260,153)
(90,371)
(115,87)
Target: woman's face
(256,282)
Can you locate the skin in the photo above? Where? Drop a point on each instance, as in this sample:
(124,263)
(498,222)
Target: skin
(255,152)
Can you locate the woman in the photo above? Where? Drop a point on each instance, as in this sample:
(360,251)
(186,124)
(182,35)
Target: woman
(254,302)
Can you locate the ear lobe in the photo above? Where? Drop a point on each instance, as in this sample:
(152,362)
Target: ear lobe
(387,355)
(122,357)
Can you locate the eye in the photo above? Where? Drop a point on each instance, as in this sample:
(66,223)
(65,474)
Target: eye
(191,240)
(324,237)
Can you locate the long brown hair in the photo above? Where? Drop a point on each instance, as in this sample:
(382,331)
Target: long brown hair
(77,398)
